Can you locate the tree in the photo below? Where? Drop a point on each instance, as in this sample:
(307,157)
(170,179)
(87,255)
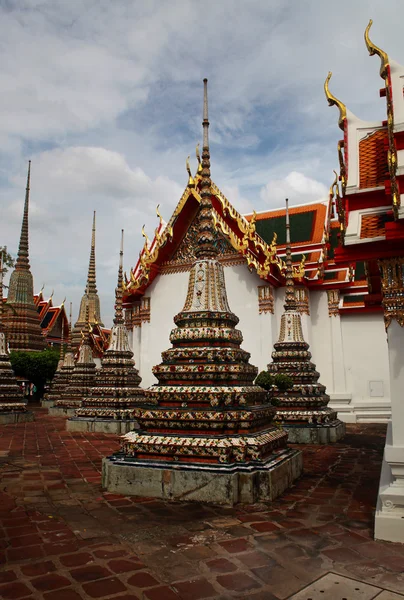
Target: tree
(36,367)
(8,260)
(271,383)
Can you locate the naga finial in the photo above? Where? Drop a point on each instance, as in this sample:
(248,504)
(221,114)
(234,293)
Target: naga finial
(144,234)
(198,158)
(373,49)
(191,182)
(333,101)
(64,300)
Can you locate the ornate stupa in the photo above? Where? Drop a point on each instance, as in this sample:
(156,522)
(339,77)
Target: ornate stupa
(90,298)
(81,379)
(110,404)
(63,372)
(21,318)
(13,408)
(207,434)
(302,410)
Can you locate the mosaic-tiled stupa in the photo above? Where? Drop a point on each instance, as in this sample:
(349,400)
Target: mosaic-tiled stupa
(63,372)
(302,410)
(110,404)
(81,379)
(21,318)
(13,408)
(207,434)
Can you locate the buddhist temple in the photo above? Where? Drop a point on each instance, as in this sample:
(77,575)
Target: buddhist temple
(63,372)
(90,298)
(369,200)
(13,408)
(344,330)
(21,318)
(207,432)
(111,402)
(302,410)
(81,379)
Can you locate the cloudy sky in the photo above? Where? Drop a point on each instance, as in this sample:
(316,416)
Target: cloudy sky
(105,98)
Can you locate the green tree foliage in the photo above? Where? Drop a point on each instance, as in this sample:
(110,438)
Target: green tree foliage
(271,383)
(36,367)
(7,258)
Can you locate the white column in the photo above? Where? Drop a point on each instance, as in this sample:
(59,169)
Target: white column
(389,522)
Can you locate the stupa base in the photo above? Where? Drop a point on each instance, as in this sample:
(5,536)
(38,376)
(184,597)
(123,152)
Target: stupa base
(325,433)
(61,411)
(101,425)
(191,482)
(7,418)
(47,403)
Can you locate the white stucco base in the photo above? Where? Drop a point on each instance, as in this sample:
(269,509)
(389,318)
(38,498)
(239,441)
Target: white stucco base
(101,425)
(8,418)
(389,520)
(190,483)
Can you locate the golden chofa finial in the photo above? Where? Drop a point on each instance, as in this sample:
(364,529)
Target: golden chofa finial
(333,101)
(191,182)
(146,239)
(375,50)
(158,214)
(198,158)
(334,183)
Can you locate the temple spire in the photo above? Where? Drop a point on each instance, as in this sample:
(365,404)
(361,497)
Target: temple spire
(118,320)
(22,263)
(1,288)
(290,299)
(206,240)
(91,278)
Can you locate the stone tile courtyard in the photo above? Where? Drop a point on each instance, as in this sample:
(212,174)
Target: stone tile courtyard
(63,538)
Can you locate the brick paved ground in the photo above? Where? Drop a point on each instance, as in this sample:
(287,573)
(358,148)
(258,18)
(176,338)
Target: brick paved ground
(62,538)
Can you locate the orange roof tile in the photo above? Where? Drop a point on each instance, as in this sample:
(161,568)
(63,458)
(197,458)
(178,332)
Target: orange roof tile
(372,160)
(373,225)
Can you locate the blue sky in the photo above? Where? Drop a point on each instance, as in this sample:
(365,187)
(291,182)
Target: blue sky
(106,99)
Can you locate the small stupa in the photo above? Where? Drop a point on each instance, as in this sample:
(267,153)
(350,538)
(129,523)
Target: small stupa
(302,410)
(81,380)
(110,404)
(13,408)
(63,372)
(207,432)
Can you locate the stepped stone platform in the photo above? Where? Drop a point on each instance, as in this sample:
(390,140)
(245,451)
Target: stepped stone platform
(63,537)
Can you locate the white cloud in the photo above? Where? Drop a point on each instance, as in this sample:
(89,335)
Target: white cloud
(106,98)
(295,186)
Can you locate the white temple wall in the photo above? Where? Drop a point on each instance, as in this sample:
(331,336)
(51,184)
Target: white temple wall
(167,297)
(366,366)
(242,294)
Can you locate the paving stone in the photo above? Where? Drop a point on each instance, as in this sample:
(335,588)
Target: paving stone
(63,594)
(41,568)
(7,576)
(49,582)
(235,546)
(77,559)
(142,580)
(221,565)
(104,587)
(162,592)
(194,589)
(89,573)
(124,566)
(238,582)
(12,591)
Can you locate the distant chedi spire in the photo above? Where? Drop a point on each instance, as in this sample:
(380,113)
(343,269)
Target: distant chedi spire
(90,297)
(21,317)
